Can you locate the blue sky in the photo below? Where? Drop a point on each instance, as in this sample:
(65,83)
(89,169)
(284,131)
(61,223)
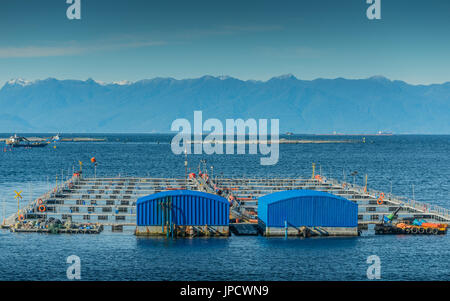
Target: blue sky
(248,39)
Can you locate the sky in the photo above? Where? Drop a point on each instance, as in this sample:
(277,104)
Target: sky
(131,40)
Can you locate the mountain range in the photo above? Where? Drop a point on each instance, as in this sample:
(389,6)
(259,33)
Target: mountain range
(302,106)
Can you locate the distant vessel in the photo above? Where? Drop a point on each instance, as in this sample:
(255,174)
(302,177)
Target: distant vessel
(17,141)
(381,133)
(289,133)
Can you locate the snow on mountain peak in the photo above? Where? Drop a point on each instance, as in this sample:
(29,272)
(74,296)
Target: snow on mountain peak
(19,81)
(122,83)
(285,76)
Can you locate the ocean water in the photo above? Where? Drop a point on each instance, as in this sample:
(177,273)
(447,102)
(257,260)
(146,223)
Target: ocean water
(416,166)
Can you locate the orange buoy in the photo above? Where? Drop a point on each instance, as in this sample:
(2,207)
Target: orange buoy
(380,199)
(42,208)
(21,217)
(93,160)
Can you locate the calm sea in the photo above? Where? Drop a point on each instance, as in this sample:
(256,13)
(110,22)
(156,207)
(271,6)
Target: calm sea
(416,166)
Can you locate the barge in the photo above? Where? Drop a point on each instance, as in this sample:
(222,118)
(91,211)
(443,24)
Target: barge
(408,225)
(17,141)
(401,228)
(55,226)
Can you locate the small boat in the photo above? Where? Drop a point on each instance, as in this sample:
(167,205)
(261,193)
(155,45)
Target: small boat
(55,138)
(17,141)
(381,133)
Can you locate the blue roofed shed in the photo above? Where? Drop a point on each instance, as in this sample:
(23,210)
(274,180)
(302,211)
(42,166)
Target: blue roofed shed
(307,208)
(182,208)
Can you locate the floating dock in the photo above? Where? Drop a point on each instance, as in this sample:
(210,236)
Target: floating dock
(59,231)
(113,201)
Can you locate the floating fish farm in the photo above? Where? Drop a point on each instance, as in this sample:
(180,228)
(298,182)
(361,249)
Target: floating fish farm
(202,206)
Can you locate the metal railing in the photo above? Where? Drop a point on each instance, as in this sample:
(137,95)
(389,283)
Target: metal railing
(422,207)
(29,207)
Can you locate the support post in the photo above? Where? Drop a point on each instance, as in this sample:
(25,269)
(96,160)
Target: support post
(185,167)
(285,229)
(170,217)
(161,204)
(365,186)
(167,232)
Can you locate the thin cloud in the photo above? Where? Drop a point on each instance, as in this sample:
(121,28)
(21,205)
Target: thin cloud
(226,30)
(69,49)
(118,43)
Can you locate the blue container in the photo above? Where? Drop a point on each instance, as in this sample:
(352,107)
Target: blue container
(182,208)
(307,208)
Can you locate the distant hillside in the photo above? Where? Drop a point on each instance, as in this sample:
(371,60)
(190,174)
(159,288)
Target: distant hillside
(318,106)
